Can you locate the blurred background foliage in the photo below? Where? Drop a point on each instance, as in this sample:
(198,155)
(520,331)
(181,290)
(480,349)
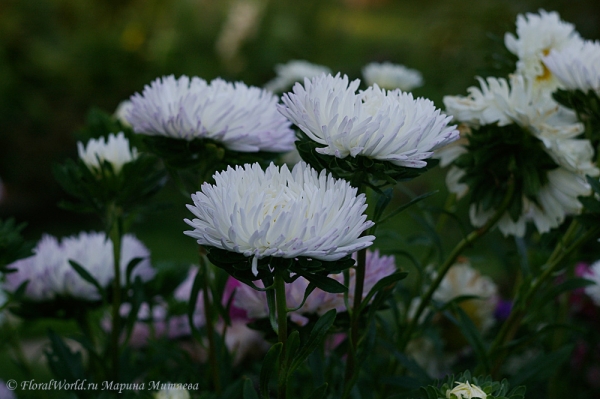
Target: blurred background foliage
(60,58)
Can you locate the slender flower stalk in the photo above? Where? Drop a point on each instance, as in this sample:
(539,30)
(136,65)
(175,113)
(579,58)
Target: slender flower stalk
(566,246)
(115,235)
(281,308)
(460,247)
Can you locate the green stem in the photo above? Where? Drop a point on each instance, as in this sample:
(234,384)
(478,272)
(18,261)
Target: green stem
(460,247)
(210,328)
(521,303)
(281,306)
(116,236)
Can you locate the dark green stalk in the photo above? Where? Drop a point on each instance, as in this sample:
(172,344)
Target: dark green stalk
(460,247)
(116,237)
(512,324)
(281,306)
(208,314)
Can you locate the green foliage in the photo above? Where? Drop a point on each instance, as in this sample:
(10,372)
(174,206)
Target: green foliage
(315,271)
(12,245)
(498,154)
(587,107)
(98,191)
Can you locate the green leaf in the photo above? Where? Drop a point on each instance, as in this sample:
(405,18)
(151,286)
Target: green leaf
(472,335)
(325,283)
(388,282)
(320,392)
(407,205)
(84,274)
(317,334)
(542,366)
(129,270)
(270,364)
(249,391)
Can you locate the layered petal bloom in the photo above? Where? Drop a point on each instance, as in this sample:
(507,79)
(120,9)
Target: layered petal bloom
(519,101)
(240,117)
(115,150)
(537,35)
(51,276)
(383,125)
(318,302)
(392,76)
(280,213)
(292,72)
(576,67)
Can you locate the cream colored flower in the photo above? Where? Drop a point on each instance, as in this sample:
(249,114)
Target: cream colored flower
(464,390)
(576,66)
(537,35)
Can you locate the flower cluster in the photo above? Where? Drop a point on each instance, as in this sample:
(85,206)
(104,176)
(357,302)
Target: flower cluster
(576,67)
(505,118)
(49,275)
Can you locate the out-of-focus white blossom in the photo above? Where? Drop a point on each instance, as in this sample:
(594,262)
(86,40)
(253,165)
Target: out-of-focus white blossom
(576,66)
(292,72)
(122,112)
(392,76)
(115,150)
(242,118)
(383,125)
(50,275)
(175,392)
(280,213)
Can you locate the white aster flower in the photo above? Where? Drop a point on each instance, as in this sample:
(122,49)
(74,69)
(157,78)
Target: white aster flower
(593,291)
(280,213)
(240,117)
(537,36)
(115,150)
(50,275)
(384,125)
(576,66)
(464,390)
(318,302)
(392,76)
(292,72)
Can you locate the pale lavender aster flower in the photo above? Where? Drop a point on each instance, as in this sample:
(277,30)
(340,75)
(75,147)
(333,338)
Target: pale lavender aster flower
(318,302)
(292,72)
(392,76)
(6,393)
(50,275)
(281,213)
(242,118)
(115,150)
(383,125)
(593,274)
(577,67)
